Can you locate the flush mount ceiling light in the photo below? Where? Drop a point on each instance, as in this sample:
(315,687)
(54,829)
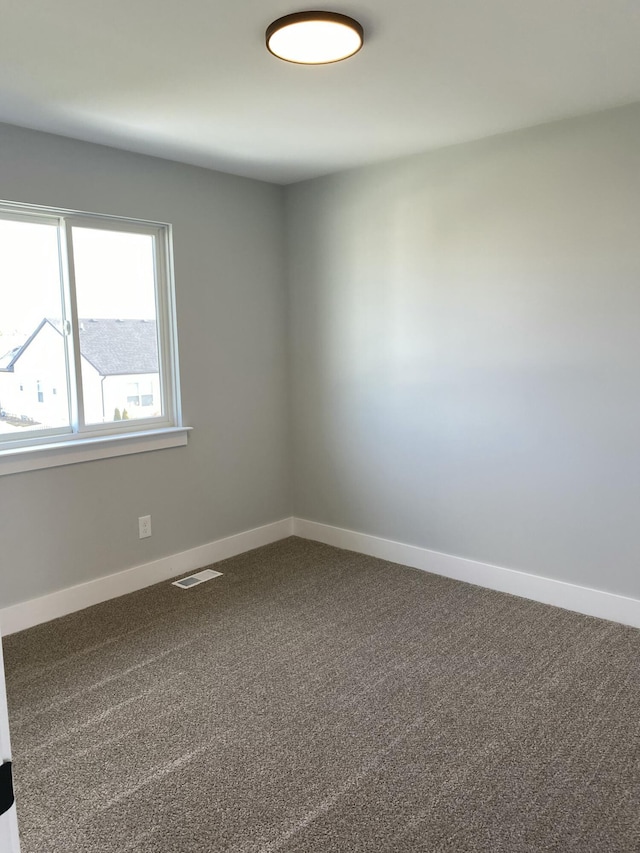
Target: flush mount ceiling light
(314,38)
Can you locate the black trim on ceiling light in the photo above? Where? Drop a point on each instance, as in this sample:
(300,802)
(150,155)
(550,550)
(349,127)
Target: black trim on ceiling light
(308,17)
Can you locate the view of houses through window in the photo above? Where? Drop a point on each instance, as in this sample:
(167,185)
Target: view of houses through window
(79,331)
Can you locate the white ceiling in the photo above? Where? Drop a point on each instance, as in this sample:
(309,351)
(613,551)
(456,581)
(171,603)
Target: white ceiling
(192,80)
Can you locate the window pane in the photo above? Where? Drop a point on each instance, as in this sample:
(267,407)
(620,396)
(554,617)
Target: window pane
(116,297)
(32,346)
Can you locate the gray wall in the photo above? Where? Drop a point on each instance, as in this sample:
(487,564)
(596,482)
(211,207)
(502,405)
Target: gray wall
(66,525)
(464,357)
(466,350)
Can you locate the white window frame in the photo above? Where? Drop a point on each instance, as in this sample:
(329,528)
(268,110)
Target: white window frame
(81,441)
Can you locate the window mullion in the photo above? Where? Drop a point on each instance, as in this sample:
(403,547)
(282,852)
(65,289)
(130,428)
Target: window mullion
(166,326)
(71,328)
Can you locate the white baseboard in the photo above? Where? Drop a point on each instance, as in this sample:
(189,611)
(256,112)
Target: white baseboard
(38,610)
(592,602)
(581,599)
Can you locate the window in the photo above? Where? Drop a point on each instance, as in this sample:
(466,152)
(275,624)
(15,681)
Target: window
(140,393)
(133,391)
(87,310)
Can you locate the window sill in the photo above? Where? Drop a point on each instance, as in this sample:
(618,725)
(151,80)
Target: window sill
(18,459)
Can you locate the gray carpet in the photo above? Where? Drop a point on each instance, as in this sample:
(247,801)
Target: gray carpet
(318,700)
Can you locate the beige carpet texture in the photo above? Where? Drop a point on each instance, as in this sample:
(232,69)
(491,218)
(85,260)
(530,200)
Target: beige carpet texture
(314,700)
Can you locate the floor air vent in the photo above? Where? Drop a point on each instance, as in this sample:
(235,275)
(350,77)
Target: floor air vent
(199,577)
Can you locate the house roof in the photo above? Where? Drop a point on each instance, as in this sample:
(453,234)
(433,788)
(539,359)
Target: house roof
(8,359)
(113,347)
(119,347)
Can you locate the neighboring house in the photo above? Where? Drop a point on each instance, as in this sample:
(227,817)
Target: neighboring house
(119,361)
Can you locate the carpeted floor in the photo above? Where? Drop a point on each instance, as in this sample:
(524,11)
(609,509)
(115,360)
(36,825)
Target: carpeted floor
(313,699)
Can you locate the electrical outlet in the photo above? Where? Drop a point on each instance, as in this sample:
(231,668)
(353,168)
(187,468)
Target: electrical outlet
(144,526)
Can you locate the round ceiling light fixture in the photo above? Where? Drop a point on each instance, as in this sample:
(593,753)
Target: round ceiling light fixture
(314,38)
